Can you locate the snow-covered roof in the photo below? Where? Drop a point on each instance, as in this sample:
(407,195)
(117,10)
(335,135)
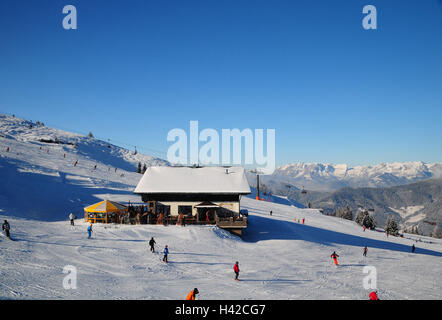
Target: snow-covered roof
(220,180)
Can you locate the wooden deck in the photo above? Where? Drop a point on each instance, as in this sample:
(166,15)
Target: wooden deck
(234,225)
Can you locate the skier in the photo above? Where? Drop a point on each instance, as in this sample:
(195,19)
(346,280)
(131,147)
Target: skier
(271,212)
(365,252)
(373,295)
(75,163)
(192,294)
(413,248)
(236,269)
(303,220)
(152,245)
(6,227)
(335,257)
(89,231)
(71,217)
(363,228)
(166,252)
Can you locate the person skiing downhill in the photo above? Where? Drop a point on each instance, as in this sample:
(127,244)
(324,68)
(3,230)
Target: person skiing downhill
(89,231)
(166,252)
(365,252)
(236,270)
(71,218)
(335,257)
(6,227)
(192,294)
(413,248)
(373,295)
(152,245)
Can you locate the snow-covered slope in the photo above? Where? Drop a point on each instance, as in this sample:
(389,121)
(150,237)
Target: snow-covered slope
(40,180)
(275,199)
(279,258)
(327,177)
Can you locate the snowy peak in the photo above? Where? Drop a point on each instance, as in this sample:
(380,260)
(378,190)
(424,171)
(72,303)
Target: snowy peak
(327,177)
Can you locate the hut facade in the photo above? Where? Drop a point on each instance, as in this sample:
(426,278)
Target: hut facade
(200,194)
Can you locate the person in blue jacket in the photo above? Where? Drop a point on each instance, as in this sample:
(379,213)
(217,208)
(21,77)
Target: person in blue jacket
(89,231)
(166,252)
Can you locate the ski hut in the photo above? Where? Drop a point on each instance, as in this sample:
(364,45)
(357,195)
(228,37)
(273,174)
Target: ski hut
(203,195)
(104,211)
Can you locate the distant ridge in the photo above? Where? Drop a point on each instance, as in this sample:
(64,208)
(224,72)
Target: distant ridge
(332,177)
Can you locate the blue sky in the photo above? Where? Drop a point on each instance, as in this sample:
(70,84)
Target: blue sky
(133,70)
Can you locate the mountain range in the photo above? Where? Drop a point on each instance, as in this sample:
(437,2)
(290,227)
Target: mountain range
(414,198)
(332,177)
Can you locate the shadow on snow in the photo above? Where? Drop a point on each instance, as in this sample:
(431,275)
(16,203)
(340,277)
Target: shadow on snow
(262,228)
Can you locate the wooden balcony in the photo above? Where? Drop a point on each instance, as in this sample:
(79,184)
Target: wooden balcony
(234,225)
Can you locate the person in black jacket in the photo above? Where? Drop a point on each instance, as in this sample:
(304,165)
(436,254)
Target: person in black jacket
(152,245)
(6,227)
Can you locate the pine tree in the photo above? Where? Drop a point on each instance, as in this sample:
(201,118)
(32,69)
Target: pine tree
(363,218)
(347,214)
(344,213)
(139,167)
(263,189)
(392,227)
(436,232)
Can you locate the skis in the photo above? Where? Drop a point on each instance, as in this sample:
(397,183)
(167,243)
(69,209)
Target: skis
(4,236)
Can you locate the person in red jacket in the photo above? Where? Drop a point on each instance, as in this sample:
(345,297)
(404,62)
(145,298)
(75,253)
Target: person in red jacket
(373,295)
(236,269)
(192,294)
(335,257)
